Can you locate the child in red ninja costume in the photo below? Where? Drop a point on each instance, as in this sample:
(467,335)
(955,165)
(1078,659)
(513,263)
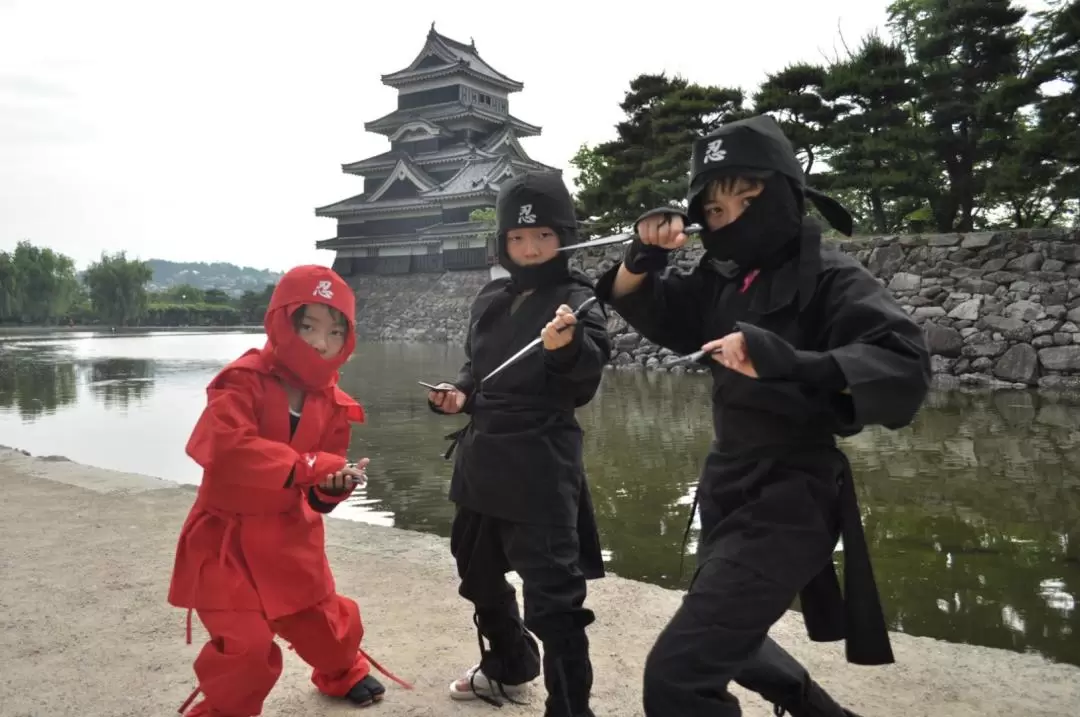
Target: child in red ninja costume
(251,558)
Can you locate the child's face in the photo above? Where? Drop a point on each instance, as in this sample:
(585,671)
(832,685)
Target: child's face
(727,199)
(533,245)
(321,331)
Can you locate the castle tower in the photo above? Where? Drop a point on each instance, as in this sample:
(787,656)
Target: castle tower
(452,141)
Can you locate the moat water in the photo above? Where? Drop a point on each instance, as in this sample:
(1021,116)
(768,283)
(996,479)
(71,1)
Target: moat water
(972,513)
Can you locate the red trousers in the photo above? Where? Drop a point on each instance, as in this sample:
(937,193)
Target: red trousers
(240,663)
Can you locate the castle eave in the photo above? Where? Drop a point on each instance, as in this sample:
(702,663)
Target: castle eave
(451,56)
(406,78)
(442,231)
(371,210)
(375,242)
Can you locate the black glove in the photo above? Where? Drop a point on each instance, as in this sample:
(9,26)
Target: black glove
(643,258)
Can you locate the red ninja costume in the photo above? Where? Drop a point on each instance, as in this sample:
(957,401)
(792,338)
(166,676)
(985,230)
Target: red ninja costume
(251,558)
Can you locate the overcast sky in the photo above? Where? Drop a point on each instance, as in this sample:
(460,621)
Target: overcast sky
(210,129)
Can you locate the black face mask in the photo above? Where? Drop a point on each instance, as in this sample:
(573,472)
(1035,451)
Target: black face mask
(763,234)
(526,278)
(551,272)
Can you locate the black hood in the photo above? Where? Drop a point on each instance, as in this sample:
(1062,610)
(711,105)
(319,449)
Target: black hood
(529,200)
(755,147)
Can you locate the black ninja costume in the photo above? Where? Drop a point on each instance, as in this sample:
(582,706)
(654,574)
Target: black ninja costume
(834,353)
(519,482)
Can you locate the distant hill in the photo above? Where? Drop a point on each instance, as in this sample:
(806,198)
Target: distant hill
(230,278)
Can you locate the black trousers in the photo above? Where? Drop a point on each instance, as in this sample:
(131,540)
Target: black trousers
(719,635)
(546,559)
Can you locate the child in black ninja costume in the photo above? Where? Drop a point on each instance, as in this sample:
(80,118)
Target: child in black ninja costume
(803,344)
(519,482)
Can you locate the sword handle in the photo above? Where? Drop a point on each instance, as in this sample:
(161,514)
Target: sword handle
(581,310)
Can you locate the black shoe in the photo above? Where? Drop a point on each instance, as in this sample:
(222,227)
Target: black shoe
(366,692)
(815,702)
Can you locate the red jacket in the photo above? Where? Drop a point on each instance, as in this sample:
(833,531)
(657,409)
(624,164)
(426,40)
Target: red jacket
(250,542)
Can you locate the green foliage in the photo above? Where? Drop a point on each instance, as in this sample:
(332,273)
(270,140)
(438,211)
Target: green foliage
(118,288)
(197,314)
(37,285)
(647,164)
(40,286)
(962,118)
(486,215)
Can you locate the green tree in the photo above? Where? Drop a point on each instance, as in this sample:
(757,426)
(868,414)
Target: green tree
(794,98)
(252,304)
(9,289)
(182,294)
(37,285)
(486,217)
(118,287)
(1055,144)
(646,165)
(973,94)
(216,297)
(874,157)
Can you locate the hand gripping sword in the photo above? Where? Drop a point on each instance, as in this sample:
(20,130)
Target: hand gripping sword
(621,239)
(585,306)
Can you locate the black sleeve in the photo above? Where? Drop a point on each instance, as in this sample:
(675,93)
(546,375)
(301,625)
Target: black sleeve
(577,368)
(882,363)
(666,309)
(318,505)
(464,381)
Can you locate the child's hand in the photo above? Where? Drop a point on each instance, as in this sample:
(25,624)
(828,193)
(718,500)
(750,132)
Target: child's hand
(449,401)
(559,331)
(730,352)
(347,477)
(662,230)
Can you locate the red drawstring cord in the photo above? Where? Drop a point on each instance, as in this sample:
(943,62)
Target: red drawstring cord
(189,700)
(383,670)
(380,668)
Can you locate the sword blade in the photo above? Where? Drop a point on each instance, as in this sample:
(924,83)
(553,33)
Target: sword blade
(528,347)
(603,241)
(691,358)
(579,312)
(620,239)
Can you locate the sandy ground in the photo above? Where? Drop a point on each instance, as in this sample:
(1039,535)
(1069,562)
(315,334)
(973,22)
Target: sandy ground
(85,556)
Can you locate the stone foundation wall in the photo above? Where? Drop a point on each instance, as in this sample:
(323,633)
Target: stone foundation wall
(416,307)
(998,308)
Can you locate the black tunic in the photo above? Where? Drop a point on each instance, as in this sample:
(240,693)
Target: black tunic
(520,456)
(774,478)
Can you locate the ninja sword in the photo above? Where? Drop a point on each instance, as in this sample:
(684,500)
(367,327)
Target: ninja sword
(694,357)
(621,239)
(539,340)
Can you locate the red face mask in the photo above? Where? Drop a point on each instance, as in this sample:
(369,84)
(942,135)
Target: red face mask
(288,354)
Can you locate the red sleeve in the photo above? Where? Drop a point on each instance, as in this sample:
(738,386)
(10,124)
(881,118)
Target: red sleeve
(337,443)
(226,440)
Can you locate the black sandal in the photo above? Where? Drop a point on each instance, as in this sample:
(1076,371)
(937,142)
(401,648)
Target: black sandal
(366,692)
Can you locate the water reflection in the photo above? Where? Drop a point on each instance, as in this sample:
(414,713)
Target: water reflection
(119,382)
(34,385)
(973,513)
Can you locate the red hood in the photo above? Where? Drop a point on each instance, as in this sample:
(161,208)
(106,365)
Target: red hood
(286,353)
